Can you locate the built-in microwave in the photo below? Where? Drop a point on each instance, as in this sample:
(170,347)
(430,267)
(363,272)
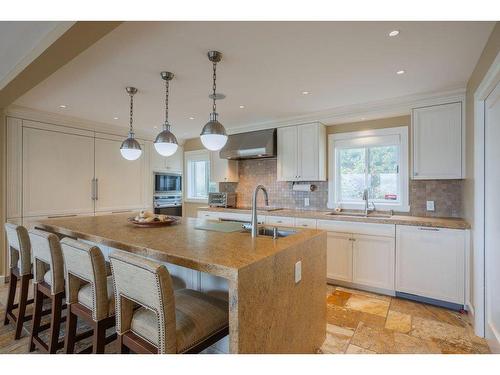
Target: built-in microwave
(168,182)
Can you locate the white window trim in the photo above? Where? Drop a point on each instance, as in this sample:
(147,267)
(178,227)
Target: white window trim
(351,138)
(190,156)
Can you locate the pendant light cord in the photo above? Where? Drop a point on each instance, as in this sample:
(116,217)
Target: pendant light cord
(214,86)
(166,125)
(131,113)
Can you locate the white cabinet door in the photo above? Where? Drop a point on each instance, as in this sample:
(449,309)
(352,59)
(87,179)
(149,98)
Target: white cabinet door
(430,262)
(287,161)
(437,142)
(161,163)
(280,221)
(121,183)
(158,163)
(223,170)
(339,256)
(308,156)
(58,169)
(373,261)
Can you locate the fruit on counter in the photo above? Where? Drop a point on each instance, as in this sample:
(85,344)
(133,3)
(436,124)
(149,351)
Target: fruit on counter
(148,217)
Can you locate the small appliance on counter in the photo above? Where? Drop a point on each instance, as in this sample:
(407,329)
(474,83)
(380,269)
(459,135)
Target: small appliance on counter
(222,199)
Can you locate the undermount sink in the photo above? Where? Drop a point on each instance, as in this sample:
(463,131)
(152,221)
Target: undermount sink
(271,232)
(361,214)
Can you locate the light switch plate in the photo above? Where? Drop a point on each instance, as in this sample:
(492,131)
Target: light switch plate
(306,202)
(430,205)
(298,271)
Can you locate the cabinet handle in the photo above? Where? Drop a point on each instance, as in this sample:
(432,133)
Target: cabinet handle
(92,189)
(96,189)
(429,229)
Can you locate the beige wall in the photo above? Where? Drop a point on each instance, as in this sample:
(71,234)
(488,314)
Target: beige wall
(487,57)
(3,151)
(382,123)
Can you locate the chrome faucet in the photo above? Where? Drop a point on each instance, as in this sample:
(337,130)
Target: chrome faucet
(254,207)
(367,203)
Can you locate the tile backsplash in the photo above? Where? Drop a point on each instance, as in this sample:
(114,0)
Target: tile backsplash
(446,194)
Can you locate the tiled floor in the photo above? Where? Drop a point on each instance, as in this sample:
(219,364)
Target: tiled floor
(361,322)
(358,323)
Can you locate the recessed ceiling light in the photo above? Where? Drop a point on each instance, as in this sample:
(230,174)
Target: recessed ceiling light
(306,92)
(155,127)
(115,118)
(242,106)
(63,106)
(191,118)
(363,118)
(394,33)
(400,72)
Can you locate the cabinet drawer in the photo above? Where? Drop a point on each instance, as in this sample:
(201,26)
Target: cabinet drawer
(280,221)
(387,230)
(305,223)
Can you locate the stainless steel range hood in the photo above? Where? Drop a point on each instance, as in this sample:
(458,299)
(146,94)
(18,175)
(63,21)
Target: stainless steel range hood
(251,145)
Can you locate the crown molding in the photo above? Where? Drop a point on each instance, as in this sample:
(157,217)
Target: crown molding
(74,122)
(400,106)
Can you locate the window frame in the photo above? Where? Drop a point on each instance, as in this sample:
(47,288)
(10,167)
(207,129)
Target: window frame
(190,156)
(366,138)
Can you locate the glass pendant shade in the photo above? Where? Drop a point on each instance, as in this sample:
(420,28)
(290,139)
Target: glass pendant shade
(166,142)
(130,148)
(213,136)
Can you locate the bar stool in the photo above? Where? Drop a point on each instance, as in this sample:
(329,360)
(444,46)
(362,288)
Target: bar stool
(167,321)
(46,251)
(20,269)
(89,295)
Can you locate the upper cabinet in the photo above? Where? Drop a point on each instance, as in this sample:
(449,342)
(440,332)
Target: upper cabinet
(223,170)
(57,170)
(172,163)
(302,153)
(437,142)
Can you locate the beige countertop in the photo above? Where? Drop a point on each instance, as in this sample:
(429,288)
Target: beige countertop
(437,222)
(221,254)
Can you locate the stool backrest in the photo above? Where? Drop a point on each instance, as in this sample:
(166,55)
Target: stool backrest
(20,248)
(148,283)
(85,262)
(46,250)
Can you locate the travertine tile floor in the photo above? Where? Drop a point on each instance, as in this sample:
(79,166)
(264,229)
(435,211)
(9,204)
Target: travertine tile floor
(358,323)
(367,323)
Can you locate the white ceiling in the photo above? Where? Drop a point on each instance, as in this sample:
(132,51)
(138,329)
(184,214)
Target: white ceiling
(265,66)
(20,43)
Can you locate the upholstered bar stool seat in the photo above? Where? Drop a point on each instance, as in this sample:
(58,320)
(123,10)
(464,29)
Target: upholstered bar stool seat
(85,296)
(197,315)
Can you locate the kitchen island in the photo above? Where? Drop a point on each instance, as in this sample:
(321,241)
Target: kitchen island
(269,311)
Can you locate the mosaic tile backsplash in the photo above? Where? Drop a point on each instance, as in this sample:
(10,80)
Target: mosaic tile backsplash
(447,194)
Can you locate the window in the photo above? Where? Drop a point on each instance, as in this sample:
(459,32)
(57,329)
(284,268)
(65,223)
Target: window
(197,167)
(375,161)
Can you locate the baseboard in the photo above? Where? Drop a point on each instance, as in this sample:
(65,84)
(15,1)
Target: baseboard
(470,309)
(430,301)
(361,287)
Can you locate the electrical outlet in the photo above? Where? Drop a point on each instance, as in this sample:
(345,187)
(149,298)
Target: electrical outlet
(430,205)
(298,271)
(306,202)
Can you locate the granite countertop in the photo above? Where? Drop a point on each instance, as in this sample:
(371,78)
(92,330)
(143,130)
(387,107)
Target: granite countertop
(436,222)
(217,253)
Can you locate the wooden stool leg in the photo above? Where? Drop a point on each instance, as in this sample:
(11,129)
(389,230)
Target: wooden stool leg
(122,347)
(99,338)
(37,316)
(55,322)
(11,296)
(69,340)
(23,299)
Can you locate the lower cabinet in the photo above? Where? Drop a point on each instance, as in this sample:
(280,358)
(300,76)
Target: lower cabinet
(373,261)
(339,256)
(430,262)
(361,259)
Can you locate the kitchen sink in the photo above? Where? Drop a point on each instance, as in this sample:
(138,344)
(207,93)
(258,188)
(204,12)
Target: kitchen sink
(362,214)
(271,232)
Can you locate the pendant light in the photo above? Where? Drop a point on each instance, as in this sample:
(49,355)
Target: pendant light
(213,136)
(166,142)
(130,148)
